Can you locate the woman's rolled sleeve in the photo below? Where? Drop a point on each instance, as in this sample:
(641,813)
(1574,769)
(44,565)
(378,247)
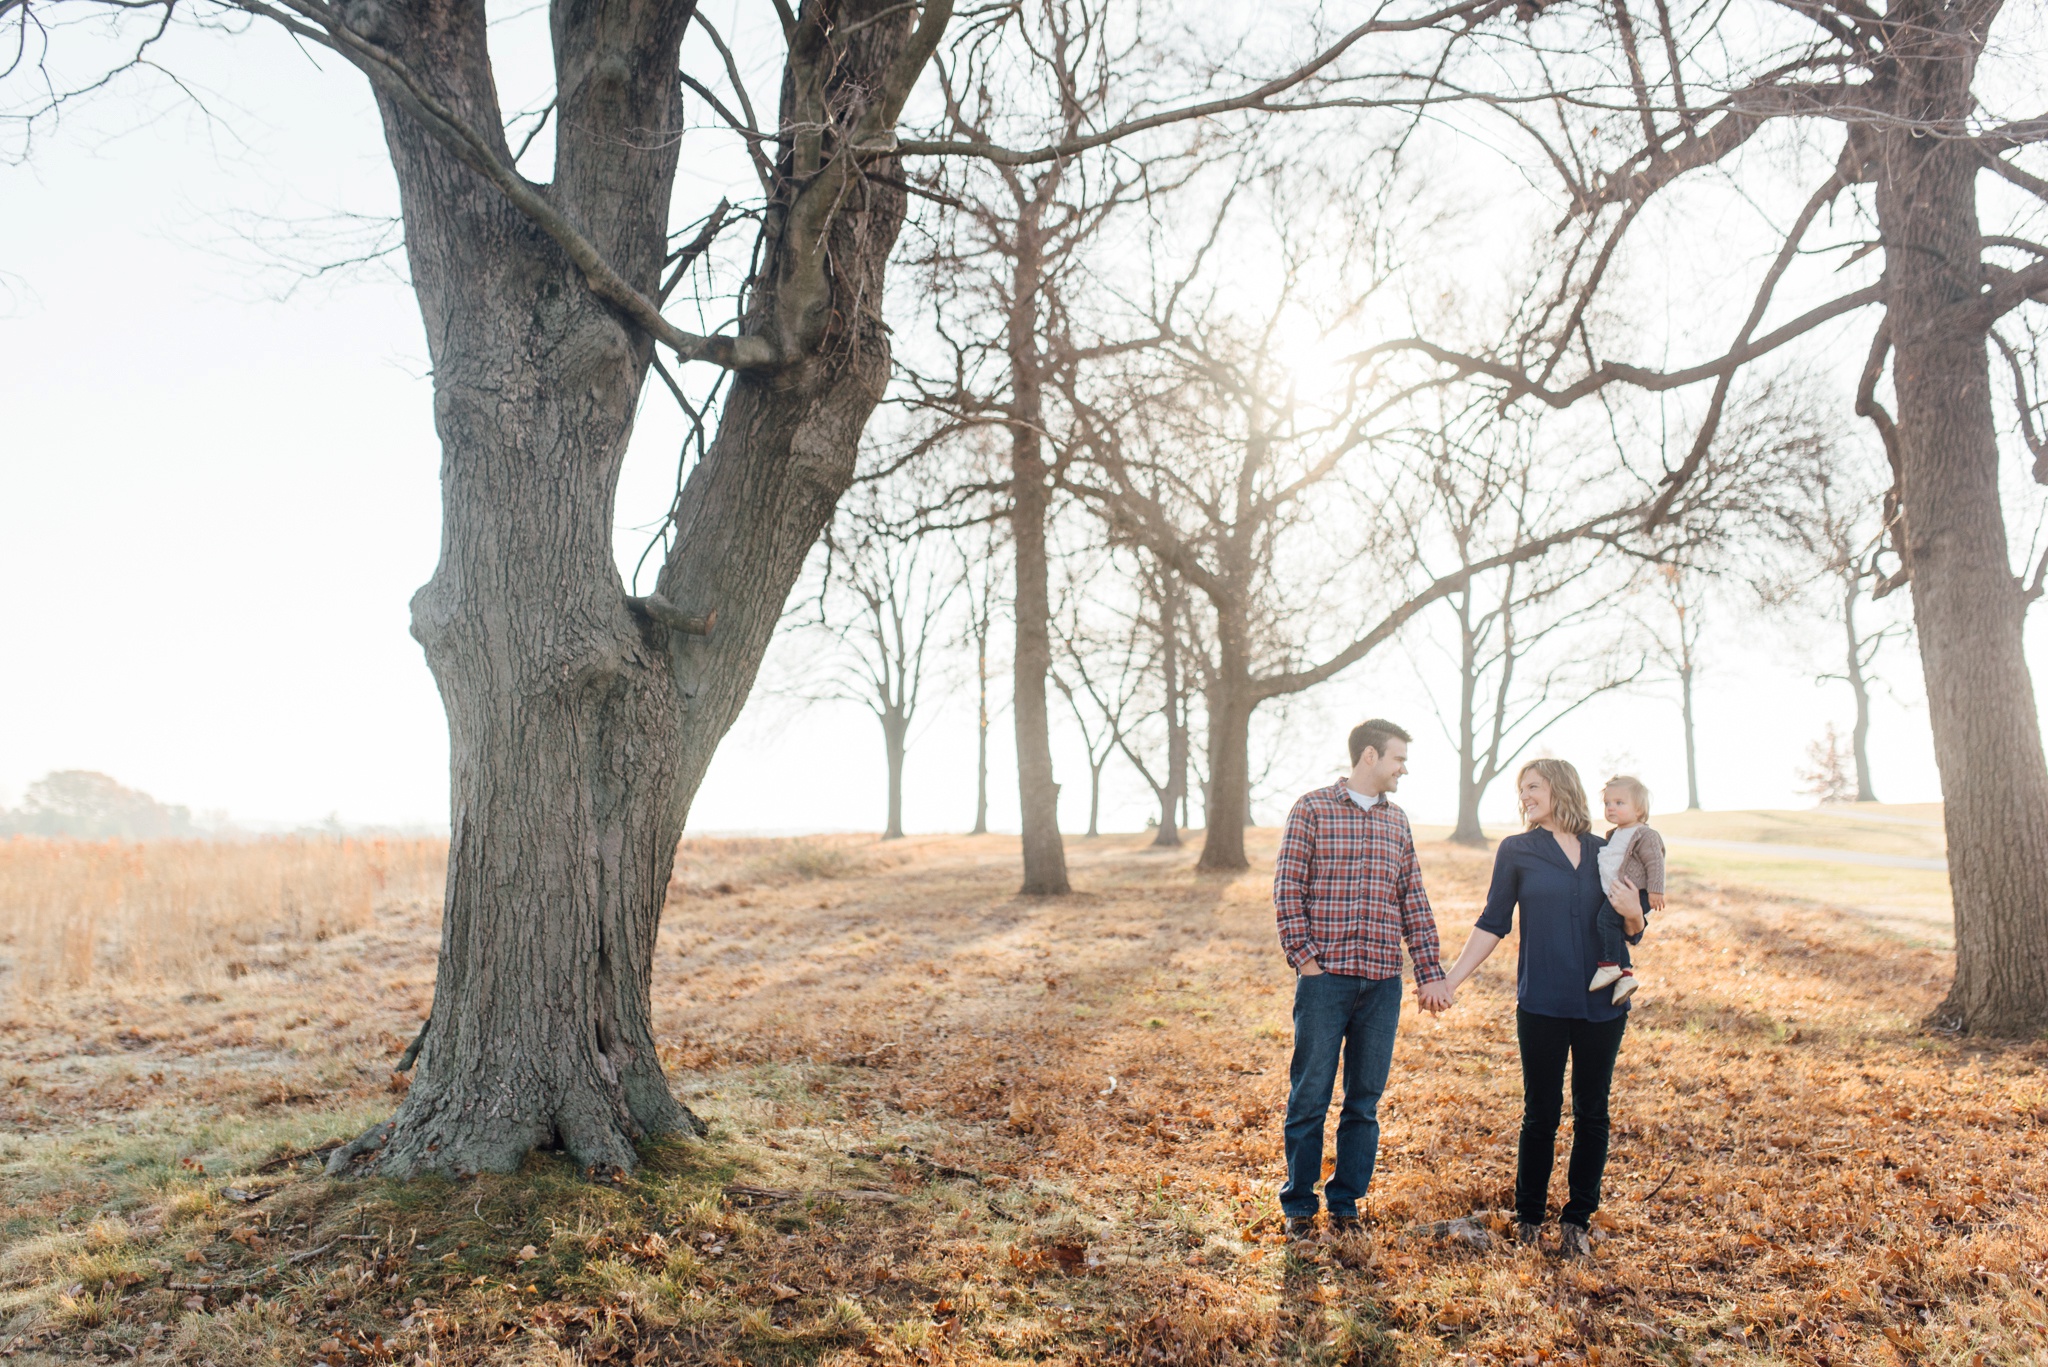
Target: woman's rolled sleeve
(1499,916)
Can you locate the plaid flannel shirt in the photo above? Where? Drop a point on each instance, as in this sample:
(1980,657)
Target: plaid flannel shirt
(1347,889)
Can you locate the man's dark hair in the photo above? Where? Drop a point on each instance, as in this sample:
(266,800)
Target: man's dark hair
(1373,735)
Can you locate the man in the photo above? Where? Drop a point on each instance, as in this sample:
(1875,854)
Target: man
(1347,891)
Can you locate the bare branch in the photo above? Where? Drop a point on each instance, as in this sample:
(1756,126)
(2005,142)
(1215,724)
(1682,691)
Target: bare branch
(325,27)
(1468,12)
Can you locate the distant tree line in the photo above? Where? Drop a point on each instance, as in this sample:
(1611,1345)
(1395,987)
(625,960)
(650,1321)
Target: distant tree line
(80,804)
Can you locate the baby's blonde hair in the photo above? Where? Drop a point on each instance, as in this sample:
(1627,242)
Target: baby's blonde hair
(1638,792)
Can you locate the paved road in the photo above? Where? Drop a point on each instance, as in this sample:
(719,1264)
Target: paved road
(1807,853)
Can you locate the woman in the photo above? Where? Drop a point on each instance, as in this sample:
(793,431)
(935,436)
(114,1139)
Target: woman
(1552,872)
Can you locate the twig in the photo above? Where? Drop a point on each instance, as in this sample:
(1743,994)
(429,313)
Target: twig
(1660,1186)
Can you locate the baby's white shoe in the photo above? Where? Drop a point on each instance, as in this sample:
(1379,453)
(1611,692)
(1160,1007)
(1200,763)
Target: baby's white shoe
(1624,987)
(1604,975)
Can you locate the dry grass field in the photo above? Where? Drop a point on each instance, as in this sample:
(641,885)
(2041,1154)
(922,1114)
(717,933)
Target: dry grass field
(952,1125)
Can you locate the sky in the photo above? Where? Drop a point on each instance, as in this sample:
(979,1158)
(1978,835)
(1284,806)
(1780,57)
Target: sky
(218,493)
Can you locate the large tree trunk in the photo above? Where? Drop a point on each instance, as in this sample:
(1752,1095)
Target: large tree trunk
(1860,686)
(1966,602)
(1231,701)
(579,728)
(1045,856)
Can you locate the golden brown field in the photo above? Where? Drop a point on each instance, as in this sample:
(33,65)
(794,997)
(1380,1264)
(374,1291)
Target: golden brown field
(952,1125)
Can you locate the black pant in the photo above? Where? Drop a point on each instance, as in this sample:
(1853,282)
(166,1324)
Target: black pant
(1546,1042)
(1613,935)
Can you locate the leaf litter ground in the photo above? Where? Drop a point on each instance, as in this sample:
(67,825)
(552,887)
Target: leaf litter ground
(953,1125)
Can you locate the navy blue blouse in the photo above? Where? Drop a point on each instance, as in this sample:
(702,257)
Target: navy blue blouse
(1560,944)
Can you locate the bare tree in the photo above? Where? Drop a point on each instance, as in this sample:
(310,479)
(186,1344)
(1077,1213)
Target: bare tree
(1907,100)
(1826,775)
(1837,531)
(1673,627)
(882,600)
(1009,252)
(1528,642)
(980,574)
(1102,671)
(582,717)
(1211,468)
(1163,615)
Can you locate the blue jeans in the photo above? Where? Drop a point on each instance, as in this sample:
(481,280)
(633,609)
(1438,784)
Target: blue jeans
(1356,1017)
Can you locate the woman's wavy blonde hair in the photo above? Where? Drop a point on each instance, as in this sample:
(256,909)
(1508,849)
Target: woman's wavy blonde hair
(1567,794)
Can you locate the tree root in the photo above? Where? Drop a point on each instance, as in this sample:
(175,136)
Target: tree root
(602,1147)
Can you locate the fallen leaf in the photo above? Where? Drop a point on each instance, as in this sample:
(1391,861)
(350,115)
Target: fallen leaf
(783,1293)
(525,1254)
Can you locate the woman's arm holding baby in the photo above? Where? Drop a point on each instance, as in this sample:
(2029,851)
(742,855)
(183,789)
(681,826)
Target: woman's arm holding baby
(1627,900)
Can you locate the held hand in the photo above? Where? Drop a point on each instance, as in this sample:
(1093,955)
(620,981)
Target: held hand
(1309,968)
(1627,900)
(1436,997)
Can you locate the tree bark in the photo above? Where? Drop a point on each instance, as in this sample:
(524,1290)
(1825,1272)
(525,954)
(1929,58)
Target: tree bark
(1860,686)
(894,732)
(580,728)
(1470,789)
(1174,792)
(981,740)
(1967,604)
(1045,855)
(1228,794)
(1095,795)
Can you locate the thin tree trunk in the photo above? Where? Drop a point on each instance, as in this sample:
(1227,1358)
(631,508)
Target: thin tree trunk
(1174,792)
(1095,795)
(981,741)
(1692,763)
(1468,831)
(894,733)
(1967,604)
(1860,686)
(580,729)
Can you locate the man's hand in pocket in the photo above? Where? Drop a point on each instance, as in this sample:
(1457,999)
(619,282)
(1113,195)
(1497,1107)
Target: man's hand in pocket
(1309,968)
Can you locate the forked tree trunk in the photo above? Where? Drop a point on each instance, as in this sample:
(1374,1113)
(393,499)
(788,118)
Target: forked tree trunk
(1967,604)
(580,729)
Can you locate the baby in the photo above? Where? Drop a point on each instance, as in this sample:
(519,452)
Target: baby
(1635,852)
